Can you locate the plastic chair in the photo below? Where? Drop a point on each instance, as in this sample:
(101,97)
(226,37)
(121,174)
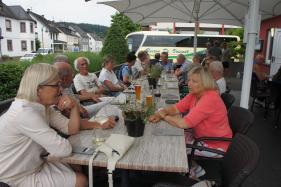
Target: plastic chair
(259,90)
(238,163)
(228,100)
(240,119)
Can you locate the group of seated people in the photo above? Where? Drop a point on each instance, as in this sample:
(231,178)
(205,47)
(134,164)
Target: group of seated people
(46,103)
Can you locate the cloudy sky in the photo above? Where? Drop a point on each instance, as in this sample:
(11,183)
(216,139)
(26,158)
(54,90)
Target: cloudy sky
(77,11)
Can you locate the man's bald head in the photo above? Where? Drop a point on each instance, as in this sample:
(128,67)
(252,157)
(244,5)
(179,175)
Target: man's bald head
(65,73)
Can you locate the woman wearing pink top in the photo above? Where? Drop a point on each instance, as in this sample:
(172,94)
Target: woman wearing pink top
(207,115)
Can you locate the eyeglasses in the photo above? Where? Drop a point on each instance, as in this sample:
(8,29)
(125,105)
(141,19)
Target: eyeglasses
(58,85)
(84,64)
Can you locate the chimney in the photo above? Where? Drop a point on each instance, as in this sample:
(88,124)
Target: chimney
(28,10)
(42,15)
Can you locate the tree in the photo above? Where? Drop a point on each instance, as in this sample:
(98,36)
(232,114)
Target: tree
(125,23)
(37,44)
(238,48)
(115,44)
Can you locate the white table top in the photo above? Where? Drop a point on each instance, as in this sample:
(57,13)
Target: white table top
(150,152)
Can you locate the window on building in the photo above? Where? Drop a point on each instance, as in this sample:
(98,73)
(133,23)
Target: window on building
(31,28)
(23,45)
(32,45)
(9,45)
(22,27)
(8,25)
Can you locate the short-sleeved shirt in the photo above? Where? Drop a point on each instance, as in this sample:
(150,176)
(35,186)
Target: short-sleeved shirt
(207,117)
(184,69)
(168,67)
(221,84)
(88,82)
(137,68)
(124,71)
(108,75)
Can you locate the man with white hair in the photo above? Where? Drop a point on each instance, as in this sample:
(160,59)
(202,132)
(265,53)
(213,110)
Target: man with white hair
(86,83)
(66,74)
(182,68)
(216,70)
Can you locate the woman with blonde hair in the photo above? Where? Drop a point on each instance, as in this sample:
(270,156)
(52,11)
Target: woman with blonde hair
(27,133)
(207,115)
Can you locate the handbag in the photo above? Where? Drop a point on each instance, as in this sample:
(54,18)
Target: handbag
(114,148)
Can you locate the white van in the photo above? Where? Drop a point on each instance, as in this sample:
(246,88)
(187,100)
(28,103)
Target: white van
(45,51)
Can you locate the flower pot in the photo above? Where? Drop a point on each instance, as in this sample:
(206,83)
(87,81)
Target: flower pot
(152,82)
(135,127)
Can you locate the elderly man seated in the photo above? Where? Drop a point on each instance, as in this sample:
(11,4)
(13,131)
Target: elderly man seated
(86,83)
(182,68)
(166,65)
(109,79)
(216,70)
(141,65)
(66,74)
(260,68)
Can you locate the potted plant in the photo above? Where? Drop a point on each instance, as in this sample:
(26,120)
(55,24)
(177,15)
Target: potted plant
(153,75)
(135,117)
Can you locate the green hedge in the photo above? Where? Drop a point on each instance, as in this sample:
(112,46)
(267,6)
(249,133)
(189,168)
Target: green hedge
(12,71)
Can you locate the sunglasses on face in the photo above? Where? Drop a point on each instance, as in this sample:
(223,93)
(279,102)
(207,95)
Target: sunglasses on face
(58,85)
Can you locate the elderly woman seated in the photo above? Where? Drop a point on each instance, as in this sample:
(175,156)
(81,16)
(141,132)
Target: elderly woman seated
(86,83)
(27,132)
(109,79)
(207,114)
(216,70)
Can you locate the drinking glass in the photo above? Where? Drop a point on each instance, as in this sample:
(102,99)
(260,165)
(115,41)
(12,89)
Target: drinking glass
(98,137)
(149,96)
(138,92)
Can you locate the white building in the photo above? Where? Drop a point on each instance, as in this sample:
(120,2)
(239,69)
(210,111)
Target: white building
(83,37)
(18,32)
(68,36)
(95,42)
(47,33)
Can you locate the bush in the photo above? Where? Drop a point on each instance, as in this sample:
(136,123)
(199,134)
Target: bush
(115,44)
(10,76)
(12,71)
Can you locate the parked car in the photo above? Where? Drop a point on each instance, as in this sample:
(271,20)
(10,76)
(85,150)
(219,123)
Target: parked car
(28,56)
(45,51)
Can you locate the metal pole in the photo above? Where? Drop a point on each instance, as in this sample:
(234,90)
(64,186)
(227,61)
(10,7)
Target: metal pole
(195,37)
(250,49)
(0,43)
(42,38)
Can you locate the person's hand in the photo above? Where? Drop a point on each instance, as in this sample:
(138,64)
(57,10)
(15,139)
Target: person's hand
(84,112)
(96,97)
(110,123)
(66,103)
(162,113)
(154,118)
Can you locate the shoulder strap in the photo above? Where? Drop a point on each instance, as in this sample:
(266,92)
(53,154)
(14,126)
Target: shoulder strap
(120,75)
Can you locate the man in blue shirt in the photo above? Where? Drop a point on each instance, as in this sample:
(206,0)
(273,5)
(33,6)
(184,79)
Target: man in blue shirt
(125,71)
(165,63)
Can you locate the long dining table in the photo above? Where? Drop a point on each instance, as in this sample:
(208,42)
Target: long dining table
(159,149)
